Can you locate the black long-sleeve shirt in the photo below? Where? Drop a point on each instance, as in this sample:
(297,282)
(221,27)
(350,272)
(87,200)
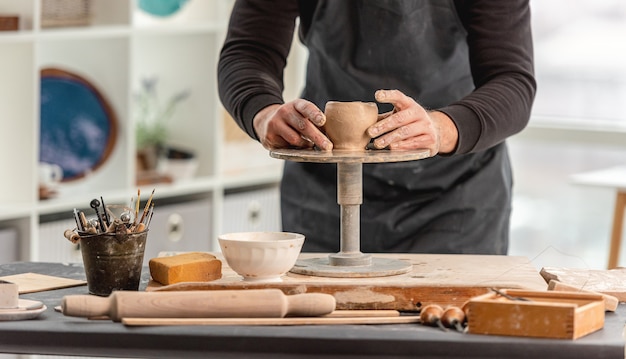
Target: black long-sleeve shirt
(500,54)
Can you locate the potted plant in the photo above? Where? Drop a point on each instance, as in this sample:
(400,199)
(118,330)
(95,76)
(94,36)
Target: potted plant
(151,121)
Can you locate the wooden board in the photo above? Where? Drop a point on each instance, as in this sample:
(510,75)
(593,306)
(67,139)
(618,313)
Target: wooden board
(34,282)
(446,279)
(611,281)
(405,319)
(610,302)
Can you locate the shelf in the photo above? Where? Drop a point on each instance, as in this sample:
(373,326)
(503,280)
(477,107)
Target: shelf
(250,178)
(15,211)
(119,48)
(8,37)
(66,201)
(86,32)
(180,29)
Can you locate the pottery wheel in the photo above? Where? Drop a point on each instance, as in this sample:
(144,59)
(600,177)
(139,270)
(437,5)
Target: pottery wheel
(350,261)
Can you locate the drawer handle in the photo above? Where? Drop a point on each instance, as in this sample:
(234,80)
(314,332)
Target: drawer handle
(254,212)
(175,228)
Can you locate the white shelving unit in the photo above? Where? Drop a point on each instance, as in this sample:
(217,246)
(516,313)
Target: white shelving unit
(121,46)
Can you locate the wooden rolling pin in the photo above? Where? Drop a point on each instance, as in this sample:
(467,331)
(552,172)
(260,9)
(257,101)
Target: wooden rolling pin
(251,303)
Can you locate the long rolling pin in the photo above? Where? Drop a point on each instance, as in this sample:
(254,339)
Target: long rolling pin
(251,303)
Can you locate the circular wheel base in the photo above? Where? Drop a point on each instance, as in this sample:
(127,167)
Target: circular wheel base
(380,267)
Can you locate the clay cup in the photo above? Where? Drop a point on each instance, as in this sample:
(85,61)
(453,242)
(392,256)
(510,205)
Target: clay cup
(347,123)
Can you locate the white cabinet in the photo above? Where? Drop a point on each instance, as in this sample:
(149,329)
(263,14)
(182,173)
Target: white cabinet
(8,245)
(180,227)
(119,48)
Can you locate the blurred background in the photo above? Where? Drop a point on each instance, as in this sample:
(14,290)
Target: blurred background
(578,124)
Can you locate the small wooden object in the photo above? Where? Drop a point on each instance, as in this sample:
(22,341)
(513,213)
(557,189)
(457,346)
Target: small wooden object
(8,295)
(543,314)
(9,22)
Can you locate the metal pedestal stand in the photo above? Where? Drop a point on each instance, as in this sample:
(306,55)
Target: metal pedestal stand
(350,261)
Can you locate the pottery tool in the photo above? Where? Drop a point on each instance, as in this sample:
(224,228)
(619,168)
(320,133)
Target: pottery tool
(83,221)
(125,218)
(71,236)
(79,225)
(147,207)
(137,206)
(150,215)
(431,315)
(453,317)
(106,214)
(95,204)
(104,223)
(262,303)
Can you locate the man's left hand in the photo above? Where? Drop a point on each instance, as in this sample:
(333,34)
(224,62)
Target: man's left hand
(409,126)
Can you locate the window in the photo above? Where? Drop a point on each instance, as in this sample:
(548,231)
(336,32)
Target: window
(580,63)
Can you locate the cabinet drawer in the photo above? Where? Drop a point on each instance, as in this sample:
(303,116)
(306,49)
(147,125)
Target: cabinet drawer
(53,246)
(8,245)
(180,227)
(252,210)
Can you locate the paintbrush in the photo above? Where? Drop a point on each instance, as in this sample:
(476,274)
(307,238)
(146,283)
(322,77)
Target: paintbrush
(146,208)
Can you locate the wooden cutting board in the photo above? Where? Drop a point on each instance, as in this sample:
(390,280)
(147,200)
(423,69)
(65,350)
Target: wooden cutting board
(35,282)
(607,281)
(444,279)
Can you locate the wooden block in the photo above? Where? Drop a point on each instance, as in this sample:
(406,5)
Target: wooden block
(8,295)
(544,314)
(610,302)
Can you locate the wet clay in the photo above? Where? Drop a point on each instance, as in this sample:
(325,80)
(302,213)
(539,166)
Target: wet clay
(347,123)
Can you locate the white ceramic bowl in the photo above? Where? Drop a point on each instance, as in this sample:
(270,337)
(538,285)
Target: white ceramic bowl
(261,256)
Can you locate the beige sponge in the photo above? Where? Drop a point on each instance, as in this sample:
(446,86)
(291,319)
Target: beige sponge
(185,267)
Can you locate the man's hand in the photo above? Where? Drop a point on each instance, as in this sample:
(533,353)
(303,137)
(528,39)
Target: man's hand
(409,126)
(294,124)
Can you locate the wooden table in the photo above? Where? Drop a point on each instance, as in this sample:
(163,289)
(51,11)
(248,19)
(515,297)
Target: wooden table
(443,279)
(54,334)
(615,178)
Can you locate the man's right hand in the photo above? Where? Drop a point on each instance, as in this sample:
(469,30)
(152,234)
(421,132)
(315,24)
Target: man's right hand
(294,124)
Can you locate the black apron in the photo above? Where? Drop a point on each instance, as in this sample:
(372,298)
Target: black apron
(455,204)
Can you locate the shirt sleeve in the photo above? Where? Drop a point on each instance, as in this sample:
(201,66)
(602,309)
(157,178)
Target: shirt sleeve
(253,57)
(501,59)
